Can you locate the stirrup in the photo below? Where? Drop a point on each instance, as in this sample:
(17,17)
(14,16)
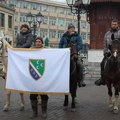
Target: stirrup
(6,107)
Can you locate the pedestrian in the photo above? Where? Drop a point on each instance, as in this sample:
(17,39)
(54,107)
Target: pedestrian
(72,36)
(33,97)
(23,40)
(113,33)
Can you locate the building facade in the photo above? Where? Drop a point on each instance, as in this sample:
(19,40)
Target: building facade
(7,22)
(57,16)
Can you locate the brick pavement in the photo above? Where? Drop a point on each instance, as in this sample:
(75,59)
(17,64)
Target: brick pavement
(92,105)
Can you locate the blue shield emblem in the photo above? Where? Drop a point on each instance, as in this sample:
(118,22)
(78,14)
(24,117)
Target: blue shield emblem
(36,68)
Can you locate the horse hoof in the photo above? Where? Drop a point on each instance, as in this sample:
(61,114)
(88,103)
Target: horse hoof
(115,110)
(73,109)
(65,107)
(22,107)
(110,108)
(6,108)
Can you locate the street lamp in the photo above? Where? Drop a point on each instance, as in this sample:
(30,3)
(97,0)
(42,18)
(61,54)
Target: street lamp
(34,19)
(78,7)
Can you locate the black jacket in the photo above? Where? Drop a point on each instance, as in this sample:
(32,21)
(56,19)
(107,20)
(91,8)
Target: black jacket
(24,40)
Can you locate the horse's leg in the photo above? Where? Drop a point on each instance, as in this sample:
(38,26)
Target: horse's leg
(22,102)
(73,94)
(110,97)
(6,106)
(65,102)
(73,104)
(116,102)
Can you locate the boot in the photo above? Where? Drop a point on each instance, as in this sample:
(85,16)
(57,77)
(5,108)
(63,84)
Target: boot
(34,105)
(44,108)
(22,102)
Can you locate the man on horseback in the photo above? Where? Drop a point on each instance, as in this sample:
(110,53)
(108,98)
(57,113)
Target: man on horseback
(112,34)
(71,36)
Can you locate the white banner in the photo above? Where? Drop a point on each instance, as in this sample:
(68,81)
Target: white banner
(38,71)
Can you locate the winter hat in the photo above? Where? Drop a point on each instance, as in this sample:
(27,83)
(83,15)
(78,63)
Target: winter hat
(71,26)
(40,38)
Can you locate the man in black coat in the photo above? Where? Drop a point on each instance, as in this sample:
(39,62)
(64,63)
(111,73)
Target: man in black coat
(24,38)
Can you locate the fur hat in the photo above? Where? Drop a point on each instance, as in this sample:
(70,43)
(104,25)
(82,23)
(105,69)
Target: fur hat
(71,26)
(24,25)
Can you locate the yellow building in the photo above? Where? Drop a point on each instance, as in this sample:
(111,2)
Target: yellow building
(57,16)
(7,21)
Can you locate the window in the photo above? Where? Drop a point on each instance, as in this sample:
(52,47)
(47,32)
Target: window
(16,30)
(83,24)
(9,21)
(68,12)
(68,21)
(22,18)
(2,20)
(45,20)
(75,23)
(52,21)
(52,34)
(52,9)
(44,8)
(43,33)
(83,34)
(35,6)
(16,17)
(61,22)
(88,36)
(60,33)
(60,10)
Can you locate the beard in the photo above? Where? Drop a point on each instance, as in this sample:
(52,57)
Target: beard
(114,29)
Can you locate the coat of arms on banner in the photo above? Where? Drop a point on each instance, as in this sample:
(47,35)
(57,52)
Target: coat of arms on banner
(36,68)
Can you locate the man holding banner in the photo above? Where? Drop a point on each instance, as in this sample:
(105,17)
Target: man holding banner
(23,40)
(33,97)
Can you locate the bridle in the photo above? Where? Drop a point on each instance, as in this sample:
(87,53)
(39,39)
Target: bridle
(73,55)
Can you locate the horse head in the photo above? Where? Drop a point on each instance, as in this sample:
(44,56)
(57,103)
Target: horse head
(113,63)
(73,51)
(115,48)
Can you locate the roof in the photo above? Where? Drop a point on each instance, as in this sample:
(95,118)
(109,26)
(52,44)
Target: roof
(97,1)
(78,3)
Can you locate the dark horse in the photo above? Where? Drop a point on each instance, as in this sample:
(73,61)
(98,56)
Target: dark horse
(112,75)
(73,75)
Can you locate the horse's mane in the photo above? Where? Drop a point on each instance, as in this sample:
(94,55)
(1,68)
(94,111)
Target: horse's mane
(115,45)
(113,63)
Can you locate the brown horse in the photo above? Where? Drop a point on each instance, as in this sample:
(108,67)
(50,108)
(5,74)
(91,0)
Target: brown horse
(112,75)
(73,76)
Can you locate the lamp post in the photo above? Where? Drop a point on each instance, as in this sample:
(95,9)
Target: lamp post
(34,19)
(78,7)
